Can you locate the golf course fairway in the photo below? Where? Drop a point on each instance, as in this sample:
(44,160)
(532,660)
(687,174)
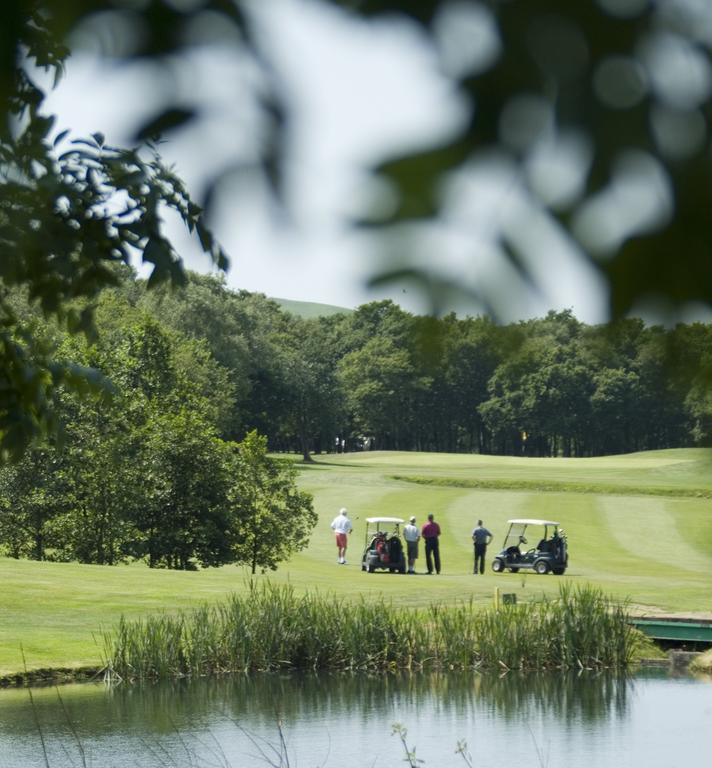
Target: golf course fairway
(639,527)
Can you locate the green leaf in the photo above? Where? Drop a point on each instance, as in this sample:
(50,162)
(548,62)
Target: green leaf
(60,137)
(415,179)
(169,120)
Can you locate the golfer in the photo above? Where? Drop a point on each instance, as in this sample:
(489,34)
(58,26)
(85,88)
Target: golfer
(342,527)
(431,534)
(411,534)
(481,537)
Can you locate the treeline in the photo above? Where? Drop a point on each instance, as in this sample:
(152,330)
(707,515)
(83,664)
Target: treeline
(379,377)
(382,378)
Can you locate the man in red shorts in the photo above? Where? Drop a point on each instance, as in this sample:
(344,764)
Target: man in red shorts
(341,526)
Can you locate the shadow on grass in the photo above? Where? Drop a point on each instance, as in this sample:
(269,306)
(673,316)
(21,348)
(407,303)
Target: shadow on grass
(315,464)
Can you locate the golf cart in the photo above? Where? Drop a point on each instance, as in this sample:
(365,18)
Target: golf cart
(384,548)
(550,554)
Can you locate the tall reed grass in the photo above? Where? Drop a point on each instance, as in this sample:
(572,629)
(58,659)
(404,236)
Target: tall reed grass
(271,628)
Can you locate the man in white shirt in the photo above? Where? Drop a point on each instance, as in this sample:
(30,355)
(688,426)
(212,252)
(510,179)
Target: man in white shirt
(411,534)
(342,527)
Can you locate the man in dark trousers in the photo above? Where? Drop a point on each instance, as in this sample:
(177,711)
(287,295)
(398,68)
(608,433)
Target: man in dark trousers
(481,538)
(430,533)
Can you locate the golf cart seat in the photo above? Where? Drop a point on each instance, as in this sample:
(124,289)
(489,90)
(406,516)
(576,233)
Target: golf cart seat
(395,548)
(513,553)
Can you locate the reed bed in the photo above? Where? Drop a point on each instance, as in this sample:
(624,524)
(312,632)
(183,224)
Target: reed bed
(271,628)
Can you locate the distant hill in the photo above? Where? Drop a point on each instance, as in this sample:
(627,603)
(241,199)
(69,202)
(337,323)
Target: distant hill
(307,309)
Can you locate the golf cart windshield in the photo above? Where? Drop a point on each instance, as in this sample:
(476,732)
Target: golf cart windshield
(375,524)
(517,533)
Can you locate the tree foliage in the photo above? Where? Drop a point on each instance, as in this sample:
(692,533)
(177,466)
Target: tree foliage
(315,407)
(612,94)
(31,493)
(143,472)
(71,210)
(182,515)
(272,517)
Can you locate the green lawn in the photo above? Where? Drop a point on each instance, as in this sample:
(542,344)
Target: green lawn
(655,550)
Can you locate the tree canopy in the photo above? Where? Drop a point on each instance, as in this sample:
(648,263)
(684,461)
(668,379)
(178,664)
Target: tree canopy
(273,518)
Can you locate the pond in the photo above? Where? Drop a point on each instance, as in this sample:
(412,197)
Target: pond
(651,720)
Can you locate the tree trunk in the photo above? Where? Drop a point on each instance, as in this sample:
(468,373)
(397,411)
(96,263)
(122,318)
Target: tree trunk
(39,546)
(305,449)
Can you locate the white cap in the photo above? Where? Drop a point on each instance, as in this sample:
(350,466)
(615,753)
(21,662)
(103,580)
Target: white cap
(342,510)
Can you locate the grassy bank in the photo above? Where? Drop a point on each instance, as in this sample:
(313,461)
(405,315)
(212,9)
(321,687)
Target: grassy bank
(272,628)
(703,663)
(655,551)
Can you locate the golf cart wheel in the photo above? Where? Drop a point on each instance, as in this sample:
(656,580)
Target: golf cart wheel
(558,571)
(514,570)
(497,566)
(541,567)
(370,568)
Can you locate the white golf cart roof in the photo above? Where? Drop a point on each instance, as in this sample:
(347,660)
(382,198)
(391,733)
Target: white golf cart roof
(532,522)
(384,520)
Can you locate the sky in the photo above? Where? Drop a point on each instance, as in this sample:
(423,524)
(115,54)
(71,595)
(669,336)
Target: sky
(360,90)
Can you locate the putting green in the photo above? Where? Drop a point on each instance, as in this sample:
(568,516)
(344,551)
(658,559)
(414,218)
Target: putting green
(639,526)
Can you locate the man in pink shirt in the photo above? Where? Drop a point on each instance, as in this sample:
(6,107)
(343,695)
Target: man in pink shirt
(430,533)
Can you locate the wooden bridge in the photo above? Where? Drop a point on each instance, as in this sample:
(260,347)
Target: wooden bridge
(675,628)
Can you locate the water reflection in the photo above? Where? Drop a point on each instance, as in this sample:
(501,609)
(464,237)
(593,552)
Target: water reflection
(337,720)
(158,707)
